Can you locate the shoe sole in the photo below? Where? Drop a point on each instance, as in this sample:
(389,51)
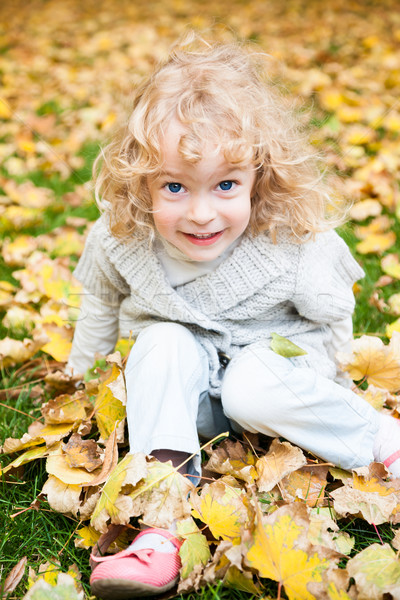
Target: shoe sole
(121,589)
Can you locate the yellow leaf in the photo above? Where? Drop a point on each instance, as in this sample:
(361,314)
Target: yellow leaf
(371,359)
(5,110)
(392,327)
(87,537)
(17,251)
(365,208)
(58,466)
(377,242)
(26,457)
(129,471)
(67,408)
(60,344)
(391,266)
(108,409)
(223,508)
(19,217)
(280,551)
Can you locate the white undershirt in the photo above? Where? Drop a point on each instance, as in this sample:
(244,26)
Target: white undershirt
(97,327)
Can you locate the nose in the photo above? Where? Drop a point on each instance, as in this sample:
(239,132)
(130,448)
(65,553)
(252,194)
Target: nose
(201,210)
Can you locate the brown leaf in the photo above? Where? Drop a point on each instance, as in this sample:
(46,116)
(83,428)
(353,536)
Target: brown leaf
(307,483)
(230,458)
(281,459)
(110,460)
(67,408)
(82,453)
(14,577)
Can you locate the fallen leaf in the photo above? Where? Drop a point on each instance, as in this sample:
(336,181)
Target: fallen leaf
(67,408)
(306,483)
(131,469)
(223,508)
(194,550)
(58,466)
(14,577)
(371,359)
(377,243)
(230,458)
(161,497)
(82,453)
(62,497)
(375,500)
(391,266)
(376,570)
(64,589)
(279,550)
(108,408)
(365,208)
(281,459)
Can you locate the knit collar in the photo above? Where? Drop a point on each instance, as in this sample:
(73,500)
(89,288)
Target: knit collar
(253,264)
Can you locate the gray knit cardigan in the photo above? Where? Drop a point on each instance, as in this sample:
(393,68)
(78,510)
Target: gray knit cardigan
(295,290)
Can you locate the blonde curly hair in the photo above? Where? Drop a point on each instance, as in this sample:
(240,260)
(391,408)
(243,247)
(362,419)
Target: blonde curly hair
(220,93)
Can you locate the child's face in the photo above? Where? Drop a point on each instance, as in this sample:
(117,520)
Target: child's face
(208,197)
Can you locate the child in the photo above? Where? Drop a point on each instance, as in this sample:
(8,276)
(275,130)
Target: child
(213,237)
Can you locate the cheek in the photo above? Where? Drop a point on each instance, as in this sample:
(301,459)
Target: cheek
(165,217)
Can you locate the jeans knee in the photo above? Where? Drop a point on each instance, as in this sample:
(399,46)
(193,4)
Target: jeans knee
(165,334)
(234,396)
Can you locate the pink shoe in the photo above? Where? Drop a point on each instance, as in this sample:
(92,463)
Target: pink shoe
(132,573)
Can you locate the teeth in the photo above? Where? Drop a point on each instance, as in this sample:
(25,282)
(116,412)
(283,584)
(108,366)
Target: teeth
(205,236)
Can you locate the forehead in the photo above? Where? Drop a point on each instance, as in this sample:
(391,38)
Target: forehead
(181,150)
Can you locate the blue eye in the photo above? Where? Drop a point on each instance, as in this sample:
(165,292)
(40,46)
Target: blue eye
(174,187)
(226,185)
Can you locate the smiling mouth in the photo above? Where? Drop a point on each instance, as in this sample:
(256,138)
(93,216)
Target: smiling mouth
(204,236)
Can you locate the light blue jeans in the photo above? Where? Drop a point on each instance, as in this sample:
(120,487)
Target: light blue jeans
(169,407)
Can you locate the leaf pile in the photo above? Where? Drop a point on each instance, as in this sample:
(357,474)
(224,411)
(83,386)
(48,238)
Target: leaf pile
(263,514)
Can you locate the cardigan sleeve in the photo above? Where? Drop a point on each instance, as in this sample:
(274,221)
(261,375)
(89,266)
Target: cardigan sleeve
(95,270)
(326,272)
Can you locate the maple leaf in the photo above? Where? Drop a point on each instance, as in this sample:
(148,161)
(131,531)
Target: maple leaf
(223,507)
(376,570)
(371,359)
(307,483)
(281,459)
(108,408)
(130,470)
(368,495)
(194,549)
(232,459)
(279,550)
(161,497)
